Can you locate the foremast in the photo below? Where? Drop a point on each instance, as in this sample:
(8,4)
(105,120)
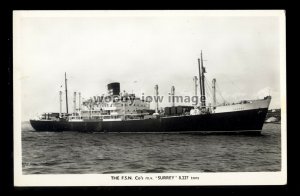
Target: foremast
(66,89)
(202,82)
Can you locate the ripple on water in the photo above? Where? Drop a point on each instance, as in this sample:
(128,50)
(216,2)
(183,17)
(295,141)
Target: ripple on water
(72,152)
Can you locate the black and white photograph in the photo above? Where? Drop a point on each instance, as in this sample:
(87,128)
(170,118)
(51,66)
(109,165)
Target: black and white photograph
(149,97)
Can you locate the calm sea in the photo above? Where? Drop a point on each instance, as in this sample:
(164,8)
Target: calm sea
(77,153)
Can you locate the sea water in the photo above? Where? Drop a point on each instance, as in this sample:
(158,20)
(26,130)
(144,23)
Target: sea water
(100,153)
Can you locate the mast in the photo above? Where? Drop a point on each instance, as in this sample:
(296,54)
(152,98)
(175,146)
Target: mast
(79,101)
(195,84)
(173,94)
(214,92)
(60,103)
(74,103)
(79,104)
(124,109)
(90,108)
(66,92)
(156,92)
(201,81)
(203,98)
(195,79)
(124,106)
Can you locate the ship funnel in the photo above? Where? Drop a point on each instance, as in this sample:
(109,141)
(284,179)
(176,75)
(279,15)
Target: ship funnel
(113,88)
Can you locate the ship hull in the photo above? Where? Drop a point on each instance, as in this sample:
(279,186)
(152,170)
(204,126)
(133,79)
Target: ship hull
(58,126)
(246,121)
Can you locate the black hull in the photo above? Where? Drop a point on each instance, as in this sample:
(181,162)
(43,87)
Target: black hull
(242,121)
(58,126)
(247,121)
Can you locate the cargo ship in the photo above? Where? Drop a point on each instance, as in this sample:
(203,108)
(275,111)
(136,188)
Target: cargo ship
(122,112)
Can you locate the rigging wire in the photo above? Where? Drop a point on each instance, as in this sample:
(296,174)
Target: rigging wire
(233,84)
(219,95)
(208,90)
(219,92)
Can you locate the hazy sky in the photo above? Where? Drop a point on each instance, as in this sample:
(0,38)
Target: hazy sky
(141,50)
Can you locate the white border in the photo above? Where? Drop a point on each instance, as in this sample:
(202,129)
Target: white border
(226,178)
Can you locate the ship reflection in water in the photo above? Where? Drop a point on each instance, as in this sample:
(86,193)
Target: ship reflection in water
(98,153)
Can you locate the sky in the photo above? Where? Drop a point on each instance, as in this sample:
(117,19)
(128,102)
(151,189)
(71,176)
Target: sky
(140,50)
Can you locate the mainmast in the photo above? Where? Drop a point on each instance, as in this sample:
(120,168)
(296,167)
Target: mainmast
(156,93)
(66,92)
(201,81)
